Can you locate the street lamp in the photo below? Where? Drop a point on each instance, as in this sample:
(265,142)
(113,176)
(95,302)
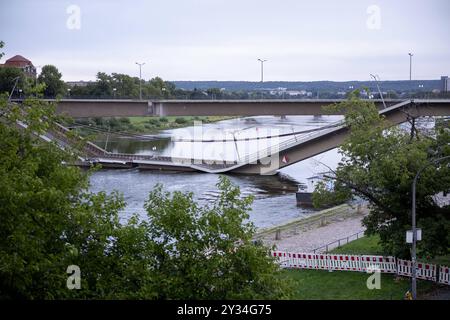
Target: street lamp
(262,69)
(376,78)
(114,92)
(16,79)
(68,91)
(140,79)
(414,229)
(410,66)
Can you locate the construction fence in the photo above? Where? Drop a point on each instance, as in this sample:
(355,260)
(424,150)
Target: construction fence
(362,263)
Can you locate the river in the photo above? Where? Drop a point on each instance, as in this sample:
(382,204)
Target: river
(274,202)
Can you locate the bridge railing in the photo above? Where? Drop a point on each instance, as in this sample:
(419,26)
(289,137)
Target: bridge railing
(297,139)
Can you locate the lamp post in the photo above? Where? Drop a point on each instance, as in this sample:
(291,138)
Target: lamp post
(16,79)
(140,79)
(114,92)
(68,92)
(410,66)
(262,69)
(376,77)
(414,229)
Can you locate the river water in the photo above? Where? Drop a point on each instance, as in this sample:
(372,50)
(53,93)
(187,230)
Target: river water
(275,201)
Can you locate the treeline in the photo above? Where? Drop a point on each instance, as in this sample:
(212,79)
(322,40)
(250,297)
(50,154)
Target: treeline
(312,86)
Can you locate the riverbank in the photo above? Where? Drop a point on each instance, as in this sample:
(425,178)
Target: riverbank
(321,228)
(138,125)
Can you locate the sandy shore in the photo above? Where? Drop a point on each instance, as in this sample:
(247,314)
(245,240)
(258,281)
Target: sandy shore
(308,234)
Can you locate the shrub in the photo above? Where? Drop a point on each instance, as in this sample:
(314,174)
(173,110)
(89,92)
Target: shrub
(181,120)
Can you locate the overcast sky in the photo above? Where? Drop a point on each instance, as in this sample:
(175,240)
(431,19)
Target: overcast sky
(222,39)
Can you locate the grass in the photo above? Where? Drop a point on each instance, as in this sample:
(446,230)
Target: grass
(348,285)
(365,245)
(143,124)
(150,124)
(370,245)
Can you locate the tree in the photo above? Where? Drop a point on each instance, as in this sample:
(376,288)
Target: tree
(51,77)
(207,252)
(7,79)
(2,44)
(49,221)
(379,164)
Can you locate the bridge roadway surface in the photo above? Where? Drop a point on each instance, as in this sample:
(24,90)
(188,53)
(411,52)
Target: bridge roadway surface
(82,108)
(297,148)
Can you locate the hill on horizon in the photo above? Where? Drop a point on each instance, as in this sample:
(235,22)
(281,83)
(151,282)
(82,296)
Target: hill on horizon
(314,86)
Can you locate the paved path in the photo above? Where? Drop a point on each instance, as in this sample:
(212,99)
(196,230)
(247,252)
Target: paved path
(306,241)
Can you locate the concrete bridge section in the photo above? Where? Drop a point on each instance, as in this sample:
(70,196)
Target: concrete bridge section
(295,150)
(81,108)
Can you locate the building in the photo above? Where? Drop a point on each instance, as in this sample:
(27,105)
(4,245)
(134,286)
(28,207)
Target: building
(304,193)
(80,83)
(444,84)
(22,63)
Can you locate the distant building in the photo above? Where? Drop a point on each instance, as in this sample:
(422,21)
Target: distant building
(444,84)
(304,193)
(80,83)
(22,63)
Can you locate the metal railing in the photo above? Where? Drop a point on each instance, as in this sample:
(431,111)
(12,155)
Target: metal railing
(296,140)
(340,242)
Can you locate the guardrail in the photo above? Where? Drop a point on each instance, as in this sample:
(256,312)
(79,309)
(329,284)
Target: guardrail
(340,242)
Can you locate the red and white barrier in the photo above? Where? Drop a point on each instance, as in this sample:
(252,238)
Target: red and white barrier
(322,262)
(444,275)
(282,257)
(344,262)
(424,271)
(303,260)
(384,264)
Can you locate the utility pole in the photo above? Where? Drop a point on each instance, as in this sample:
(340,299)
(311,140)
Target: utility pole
(140,79)
(262,69)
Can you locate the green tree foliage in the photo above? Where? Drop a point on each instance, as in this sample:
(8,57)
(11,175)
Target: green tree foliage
(7,76)
(51,77)
(49,220)
(379,164)
(118,85)
(2,44)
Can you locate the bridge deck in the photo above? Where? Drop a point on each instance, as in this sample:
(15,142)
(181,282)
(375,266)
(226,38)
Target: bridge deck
(297,147)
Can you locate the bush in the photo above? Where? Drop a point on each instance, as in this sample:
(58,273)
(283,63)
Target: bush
(163,119)
(181,120)
(124,121)
(153,121)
